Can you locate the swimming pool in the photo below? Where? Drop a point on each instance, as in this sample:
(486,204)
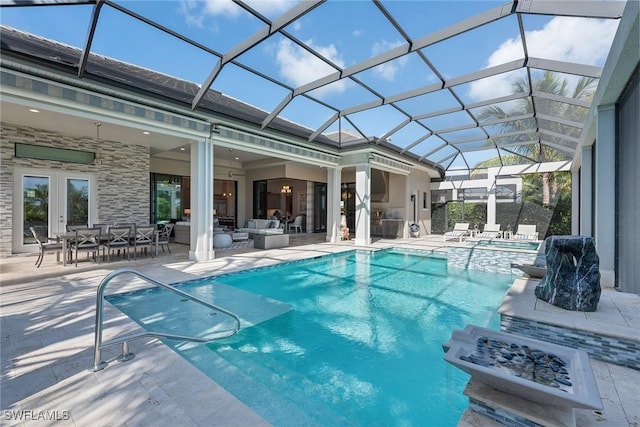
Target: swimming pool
(346,339)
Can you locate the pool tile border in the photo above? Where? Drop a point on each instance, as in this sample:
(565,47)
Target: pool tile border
(610,349)
(490,260)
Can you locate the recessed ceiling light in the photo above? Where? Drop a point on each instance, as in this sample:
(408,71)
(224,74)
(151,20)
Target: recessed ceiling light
(182,149)
(237,158)
(33,110)
(146,133)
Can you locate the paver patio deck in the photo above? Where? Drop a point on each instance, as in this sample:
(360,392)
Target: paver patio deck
(47,325)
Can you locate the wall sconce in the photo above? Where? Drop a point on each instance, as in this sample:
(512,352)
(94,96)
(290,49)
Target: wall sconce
(215,212)
(187,212)
(286,189)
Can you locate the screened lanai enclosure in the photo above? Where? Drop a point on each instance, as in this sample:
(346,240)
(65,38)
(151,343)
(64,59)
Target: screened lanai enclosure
(460,85)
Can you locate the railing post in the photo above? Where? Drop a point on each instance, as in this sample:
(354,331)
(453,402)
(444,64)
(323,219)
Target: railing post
(99,364)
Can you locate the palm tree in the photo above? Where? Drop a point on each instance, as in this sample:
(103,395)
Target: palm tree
(549,83)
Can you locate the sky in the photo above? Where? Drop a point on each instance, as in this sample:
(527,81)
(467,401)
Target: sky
(345,33)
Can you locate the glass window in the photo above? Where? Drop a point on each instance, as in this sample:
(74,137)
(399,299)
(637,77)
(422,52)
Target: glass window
(260,199)
(77,201)
(167,200)
(35,205)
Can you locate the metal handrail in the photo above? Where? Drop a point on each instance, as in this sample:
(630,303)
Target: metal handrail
(99,364)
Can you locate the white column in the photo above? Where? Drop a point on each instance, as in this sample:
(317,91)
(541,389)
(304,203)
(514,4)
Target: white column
(363,204)
(586,192)
(201,201)
(575,202)
(309,208)
(605,191)
(333,204)
(491,196)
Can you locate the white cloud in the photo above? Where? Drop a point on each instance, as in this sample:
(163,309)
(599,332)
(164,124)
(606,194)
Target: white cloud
(389,69)
(196,11)
(584,41)
(190,10)
(269,7)
(300,67)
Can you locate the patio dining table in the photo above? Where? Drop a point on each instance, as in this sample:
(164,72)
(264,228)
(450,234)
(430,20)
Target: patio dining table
(67,237)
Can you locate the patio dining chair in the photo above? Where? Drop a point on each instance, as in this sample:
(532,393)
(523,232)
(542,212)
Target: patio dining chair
(119,238)
(164,235)
(144,239)
(87,240)
(45,243)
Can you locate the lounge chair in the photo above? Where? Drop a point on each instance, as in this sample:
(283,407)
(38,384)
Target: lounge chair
(526,232)
(490,231)
(460,231)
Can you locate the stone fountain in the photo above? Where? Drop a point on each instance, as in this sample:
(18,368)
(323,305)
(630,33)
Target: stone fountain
(572,278)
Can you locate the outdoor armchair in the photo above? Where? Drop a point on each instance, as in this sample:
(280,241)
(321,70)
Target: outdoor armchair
(87,240)
(164,235)
(45,243)
(118,238)
(144,239)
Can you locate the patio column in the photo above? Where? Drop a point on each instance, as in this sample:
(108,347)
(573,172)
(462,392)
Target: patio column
(575,202)
(586,192)
(605,191)
(363,204)
(333,204)
(201,200)
(491,196)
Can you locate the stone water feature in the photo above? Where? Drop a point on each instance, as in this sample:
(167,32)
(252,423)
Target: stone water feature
(572,279)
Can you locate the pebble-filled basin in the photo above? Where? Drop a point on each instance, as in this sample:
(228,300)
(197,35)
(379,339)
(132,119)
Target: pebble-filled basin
(535,370)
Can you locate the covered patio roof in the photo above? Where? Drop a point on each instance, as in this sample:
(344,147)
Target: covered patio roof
(459,85)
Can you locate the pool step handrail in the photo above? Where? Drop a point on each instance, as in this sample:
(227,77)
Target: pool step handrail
(99,364)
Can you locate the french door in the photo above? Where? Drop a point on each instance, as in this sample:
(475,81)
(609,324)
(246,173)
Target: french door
(53,199)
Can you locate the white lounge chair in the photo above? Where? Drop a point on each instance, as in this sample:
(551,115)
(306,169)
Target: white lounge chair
(460,231)
(490,231)
(526,232)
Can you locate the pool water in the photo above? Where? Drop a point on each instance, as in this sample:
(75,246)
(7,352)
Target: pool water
(348,339)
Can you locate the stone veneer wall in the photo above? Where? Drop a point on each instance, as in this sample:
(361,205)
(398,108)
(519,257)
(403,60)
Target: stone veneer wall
(122,171)
(501,416)
(610,349)
(488,259)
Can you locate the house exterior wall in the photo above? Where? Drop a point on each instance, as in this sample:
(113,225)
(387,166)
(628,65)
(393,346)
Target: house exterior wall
(122,172)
